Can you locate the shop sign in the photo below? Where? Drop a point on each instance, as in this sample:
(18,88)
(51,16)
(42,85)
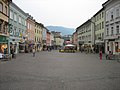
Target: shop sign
(3,39)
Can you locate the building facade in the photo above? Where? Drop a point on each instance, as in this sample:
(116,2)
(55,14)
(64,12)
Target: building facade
(52,40)
(85,34)
(17,23)
(38,36)
(30,33)
(75,42)
(48,38)
(112,26)
(98,20)
(4,25)
(57,39)
(75,39)
(44,37)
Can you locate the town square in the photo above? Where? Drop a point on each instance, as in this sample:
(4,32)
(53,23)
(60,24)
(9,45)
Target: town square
(59,45)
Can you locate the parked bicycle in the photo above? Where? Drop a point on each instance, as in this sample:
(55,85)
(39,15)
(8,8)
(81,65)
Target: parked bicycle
(112,56)
(118,57)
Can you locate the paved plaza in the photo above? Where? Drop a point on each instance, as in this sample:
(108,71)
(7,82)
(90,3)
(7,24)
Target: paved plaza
(59,71)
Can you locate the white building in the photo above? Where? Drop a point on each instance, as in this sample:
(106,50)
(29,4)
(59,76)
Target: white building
(85,34)
(112,25)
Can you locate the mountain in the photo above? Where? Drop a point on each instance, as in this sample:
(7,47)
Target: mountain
(63,30)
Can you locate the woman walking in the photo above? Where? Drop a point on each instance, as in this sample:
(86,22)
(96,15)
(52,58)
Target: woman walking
(33,52)
(100,54)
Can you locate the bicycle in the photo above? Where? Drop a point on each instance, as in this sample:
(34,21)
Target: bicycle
(118,57)
(110,57)
(113,57)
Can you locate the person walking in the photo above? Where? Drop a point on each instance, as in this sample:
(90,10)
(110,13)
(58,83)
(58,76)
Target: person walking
(12,52)
(33,52)
(100,54)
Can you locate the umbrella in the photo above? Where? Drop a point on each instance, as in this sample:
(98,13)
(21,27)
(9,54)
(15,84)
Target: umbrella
(70,45)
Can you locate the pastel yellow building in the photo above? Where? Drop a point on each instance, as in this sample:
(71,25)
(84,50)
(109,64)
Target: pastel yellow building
(38,36)
(99,30)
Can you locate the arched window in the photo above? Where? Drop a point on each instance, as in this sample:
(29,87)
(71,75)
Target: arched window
(1,7)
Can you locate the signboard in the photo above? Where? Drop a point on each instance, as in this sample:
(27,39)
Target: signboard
(3,39)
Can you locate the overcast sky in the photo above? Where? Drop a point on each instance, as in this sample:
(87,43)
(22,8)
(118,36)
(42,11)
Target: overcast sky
(67,13)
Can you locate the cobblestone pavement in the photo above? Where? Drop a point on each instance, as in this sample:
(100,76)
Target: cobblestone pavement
(59,71)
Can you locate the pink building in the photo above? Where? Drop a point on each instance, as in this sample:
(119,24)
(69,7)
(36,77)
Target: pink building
(48,38)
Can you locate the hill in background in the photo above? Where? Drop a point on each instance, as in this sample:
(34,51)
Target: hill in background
(63,30)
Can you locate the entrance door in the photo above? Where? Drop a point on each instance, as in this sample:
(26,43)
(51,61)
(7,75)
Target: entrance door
(111,45)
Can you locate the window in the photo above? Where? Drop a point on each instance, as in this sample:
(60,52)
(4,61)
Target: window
(20,19)
(97,18)
(11,14)
(5,10)
(14,33)
(15,17)
(107,16)
(117,29)
(1,7)
(102,36)
(35,38)
(111,30)
(28,25)
(117,12)
(25,22)
(111,15)
(107,31)
(102,14)
(102,24)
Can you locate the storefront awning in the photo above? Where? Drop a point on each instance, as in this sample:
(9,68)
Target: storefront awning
(3,42)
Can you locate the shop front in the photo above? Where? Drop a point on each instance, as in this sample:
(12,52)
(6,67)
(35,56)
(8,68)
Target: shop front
(3,44)
(14,44)
(99,45)
(29,46)
(112,45)
(38,46)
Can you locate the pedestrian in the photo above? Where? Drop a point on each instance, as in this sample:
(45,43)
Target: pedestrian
(33,52)
(100,54)
(12,52)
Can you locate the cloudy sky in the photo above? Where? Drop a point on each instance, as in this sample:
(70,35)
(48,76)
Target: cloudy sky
(67,13)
